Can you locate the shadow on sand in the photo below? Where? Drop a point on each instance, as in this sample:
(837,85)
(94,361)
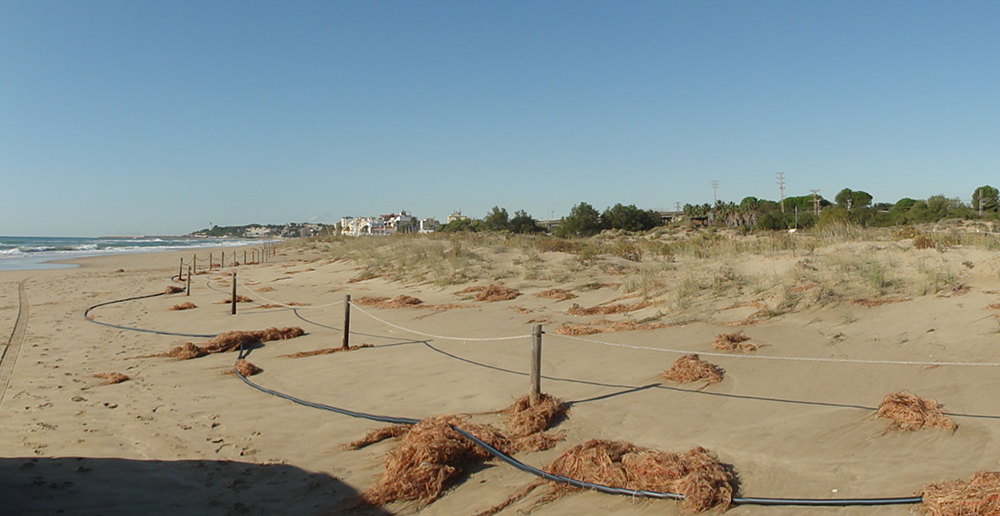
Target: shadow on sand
(93,486)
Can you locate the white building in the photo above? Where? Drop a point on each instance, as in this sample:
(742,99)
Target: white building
(429,225)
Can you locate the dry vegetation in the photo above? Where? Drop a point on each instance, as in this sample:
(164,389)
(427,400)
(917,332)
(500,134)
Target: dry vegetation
(908,412)
(734,342)
(697,474)
(691,368)
(432,454)
(111,378)
(324,351)
(979,496)
(245,368)
(230,341)
(187,305)
(173,290)
(682,273)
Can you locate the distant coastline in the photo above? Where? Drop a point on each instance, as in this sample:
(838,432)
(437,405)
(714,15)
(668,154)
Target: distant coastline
(27,253)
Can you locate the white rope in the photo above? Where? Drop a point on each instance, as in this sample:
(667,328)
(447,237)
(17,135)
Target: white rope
(473,339)
(791,359)
(299,307)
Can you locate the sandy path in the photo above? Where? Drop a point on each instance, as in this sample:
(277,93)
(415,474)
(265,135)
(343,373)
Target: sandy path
(8,355)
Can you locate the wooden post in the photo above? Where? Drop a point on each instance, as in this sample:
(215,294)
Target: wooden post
(180,273)
(188,289)
(536,363)
(244,257)
(222,261)
(233,311)
(194,263)
(346,344)
(210,261)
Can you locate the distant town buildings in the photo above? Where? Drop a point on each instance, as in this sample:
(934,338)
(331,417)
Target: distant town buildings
(389,224)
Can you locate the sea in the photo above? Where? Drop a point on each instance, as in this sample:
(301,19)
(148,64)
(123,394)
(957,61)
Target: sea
(20,253)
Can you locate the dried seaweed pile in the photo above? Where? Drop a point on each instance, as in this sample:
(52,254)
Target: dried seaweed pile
(400,301)
(111,378)
(187,305)
(979,496)
(909,412)
(245,368)
(528,421)
(325,351)
(430,455)
(690,368)
(734,342)
(239,299)
(230,341)
(173,290)
(497,293)
(616,308)
(558,294)
(604,325)
(705,482)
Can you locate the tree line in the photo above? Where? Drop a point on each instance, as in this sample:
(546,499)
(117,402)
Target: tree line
(848,206)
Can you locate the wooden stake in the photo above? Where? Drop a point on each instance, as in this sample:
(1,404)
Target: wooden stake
(233,311)
(180,273)
(244,257)
(222,261)
(536,363)
(188,289)
(210,261)
(346,344)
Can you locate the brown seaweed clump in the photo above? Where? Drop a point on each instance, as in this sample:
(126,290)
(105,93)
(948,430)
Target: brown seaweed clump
(172,289)
(111,378)
(185,351)
(979,496)
(576,330)
(734,342)
(528,418)
(558,294)
(497,293)
(690,368)
(231,340)
(325,351)
(245,368)
(187,305)
(378,435)
(429,457)
(616,308)
(698,475)
(239,299)
(909,412)
(400,301)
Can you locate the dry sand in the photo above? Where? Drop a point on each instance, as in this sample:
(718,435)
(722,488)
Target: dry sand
(181,437)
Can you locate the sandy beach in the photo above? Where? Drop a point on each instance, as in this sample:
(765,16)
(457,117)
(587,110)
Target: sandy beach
(794,418)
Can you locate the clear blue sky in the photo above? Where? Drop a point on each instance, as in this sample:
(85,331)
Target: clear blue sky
(159,117)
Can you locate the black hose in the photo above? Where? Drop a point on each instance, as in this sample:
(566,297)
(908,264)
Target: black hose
(833,502)
(86,315)
(351,413)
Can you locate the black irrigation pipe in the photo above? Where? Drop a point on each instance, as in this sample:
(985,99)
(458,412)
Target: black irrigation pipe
(351,413)
(86,315)
(813,502)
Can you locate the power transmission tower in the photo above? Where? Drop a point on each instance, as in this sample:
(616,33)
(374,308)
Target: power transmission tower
(715,195)
(781,188)
(815,201)
(677,206)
